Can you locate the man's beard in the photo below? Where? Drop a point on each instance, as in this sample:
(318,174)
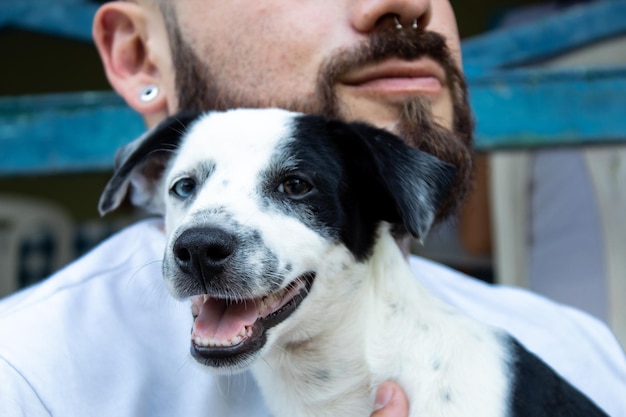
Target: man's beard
(198,91)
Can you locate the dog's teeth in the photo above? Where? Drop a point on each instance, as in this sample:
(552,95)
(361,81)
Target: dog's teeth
(209,342)
(266,303)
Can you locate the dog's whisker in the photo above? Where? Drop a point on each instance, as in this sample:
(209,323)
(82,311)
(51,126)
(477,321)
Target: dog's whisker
(135,274)
(220,389)
(268,365)
(281,348)
(161,150)
(184,365)
(180,130)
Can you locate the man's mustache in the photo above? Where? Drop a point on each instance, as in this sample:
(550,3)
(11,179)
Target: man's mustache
(389,43)
(379,46)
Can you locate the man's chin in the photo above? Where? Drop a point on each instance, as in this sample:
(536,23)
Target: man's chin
(387,112)
(382,115)
(442,110)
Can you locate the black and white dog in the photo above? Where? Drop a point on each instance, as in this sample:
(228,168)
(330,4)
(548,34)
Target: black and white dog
(279,231)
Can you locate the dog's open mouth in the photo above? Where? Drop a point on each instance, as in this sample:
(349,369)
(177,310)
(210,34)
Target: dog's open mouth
(226,331)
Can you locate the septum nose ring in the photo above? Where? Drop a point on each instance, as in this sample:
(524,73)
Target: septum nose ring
(399,26)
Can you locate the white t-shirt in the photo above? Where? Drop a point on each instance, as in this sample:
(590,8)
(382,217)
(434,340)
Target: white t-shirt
(103,338)
(566,254)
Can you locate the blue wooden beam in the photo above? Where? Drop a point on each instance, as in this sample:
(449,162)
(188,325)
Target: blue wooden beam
(539,108)
(524,108)
(67,18)
(544,38)
(528,107)
(63,133)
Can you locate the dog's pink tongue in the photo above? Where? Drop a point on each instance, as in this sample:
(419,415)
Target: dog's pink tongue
(218,321)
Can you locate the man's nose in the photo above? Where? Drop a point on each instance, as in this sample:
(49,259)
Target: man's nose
(370,15)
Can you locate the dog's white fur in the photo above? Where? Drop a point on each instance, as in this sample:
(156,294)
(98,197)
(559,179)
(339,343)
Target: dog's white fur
(379,324)
(362,323)
(358,327)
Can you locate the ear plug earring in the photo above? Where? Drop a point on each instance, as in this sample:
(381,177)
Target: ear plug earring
(149,93)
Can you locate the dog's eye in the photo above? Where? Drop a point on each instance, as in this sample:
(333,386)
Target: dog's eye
(295,187)
(184,187)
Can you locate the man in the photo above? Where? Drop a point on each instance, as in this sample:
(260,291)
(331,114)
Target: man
(102,337)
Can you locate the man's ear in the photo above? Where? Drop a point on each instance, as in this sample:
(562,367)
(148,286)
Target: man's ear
(134,53)
(139,166)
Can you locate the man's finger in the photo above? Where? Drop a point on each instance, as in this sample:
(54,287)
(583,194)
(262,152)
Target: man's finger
(390,401)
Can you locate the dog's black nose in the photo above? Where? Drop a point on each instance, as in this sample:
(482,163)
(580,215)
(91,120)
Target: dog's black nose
(204,251)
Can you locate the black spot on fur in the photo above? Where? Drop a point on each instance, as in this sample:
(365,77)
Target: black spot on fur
(361,176)
(323,375)
(446,396)
(538,391)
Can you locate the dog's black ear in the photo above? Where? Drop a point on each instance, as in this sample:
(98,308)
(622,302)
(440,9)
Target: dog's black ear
(140,165)
(406,185)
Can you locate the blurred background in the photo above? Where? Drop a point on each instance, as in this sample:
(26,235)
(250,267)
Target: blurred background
(547,84)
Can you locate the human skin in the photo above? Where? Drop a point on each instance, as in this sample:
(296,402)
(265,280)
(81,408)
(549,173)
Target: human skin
(291,44)
(269,53)
(405,80)
(283,46)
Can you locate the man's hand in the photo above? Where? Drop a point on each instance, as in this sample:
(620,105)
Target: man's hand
(390,401)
